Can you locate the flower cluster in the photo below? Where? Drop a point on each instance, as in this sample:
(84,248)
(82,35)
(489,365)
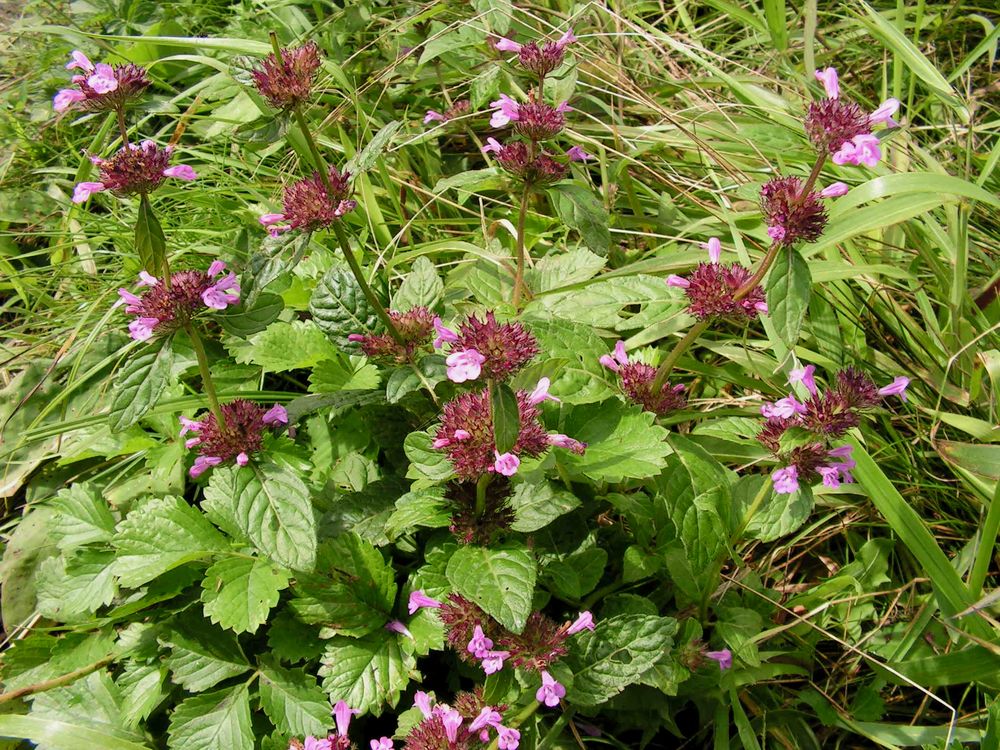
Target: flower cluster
(792,214)
(457,109)
(308,204)
(540,59)
(167,307)
(100,87)
(136,169)
(286,79)
(798,432)
(415,326)
(469,723)
(637,383)
(479,639)
(338,739)
(485,348)
(240,437)
(841,128)
(711,289)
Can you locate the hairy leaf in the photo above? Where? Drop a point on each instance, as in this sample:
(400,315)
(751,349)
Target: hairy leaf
(366,672)
(500,580)
(213,721)
(238,592)
(339,307)
(293,700)
(138,386)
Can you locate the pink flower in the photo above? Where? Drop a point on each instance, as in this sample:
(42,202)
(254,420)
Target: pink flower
(203,464)
(103,80)
(488,717)
(317,744)
(181,172)
(896,388)
(830,474)
(541,393)
(242,459)
(785,480)
(85,189)
(343,713)
(506,463)
(141,329)
(81,61)
(422,701)
(506,110)
(841,451)
(464,365)
(725,656)
(885,112)
(215,268)
(479,644)
(585,621)
(567,38)
(550,692)
(452,720)
(492,145)
(433,116)
(382,743)
(444,335)
(576,153)
(147,279)
(419,599)
(776,233)
(507,738)
(189,425)
(678,281)
(618,357)
(835,190)
(507,45)
(862,149)
(271,223)
(828,77)
(276,415)
(461,435)
(804,375)
(786,408)
(222,294)
(396,626)
(492,661)
(714,247)
(559,440)
(65,98)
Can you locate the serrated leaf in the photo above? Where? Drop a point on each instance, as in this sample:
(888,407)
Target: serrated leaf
(339,307)
(789,286)
(344,373)
(270,507)
(290,639)
(150,244)
(779,515)
(242,321)
(238,592)
(219,720)
(582,379)
(293,701)
(622,442)
(422,287)
(506,417)
(138,386)
(332,403)
(564,269)
(484,87)
(366,672)
(81,516)
(623,303)
(202,655)
(500,580)
(160,535)
(425,461)
(615,655)
(374,149)
(537,504)
(53,734)
(286,346)
(142,689)
(576,575)
(70,590)
(583,211)
(424,508)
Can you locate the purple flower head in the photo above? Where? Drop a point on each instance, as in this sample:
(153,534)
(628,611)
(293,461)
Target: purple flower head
(725,656)
(585,621)
(517,159)
(538,121)
(418,600)
(136,169)
(896,388)
(637,383)
(542,59)
(830,123)
(504,347)
(463,365)
(309,207)
(786,480)
(101,87)
(161,310)
(287,80)
(793,217)
(415,327)
(242,437)
(551,692)
(457,109)
(505,109)
(711,290)
(342,713)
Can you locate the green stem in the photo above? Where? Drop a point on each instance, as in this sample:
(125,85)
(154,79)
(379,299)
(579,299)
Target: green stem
(120,112)
(600,593)
(206,376)
(481,485)
(519,274)
(663,371)
(345,247)
(987,545)
(751,511)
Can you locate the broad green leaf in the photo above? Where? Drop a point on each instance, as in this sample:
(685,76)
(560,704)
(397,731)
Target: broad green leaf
(615,655)
(202,655)
(779,515)
(506,417)
(575,575)
(339,307)
(142,688)
(293,700)
(622,442)
(332,404)
(422,287)
(285,346)
(366,672)
(270,507)
(72,589)
(291,639)
(501,580)
(28,545)
(623,303)
(789,285)
(66,735)
(150,244)
(38,658)
(238,592)
(81,516)
(160,535)
(537,504)
(138,386)
(564,269)
(241,321)
(425,508)
(583,211)
(374,149)
(425,461)
(582,379)
(343,373)
(219,720)
(877,216)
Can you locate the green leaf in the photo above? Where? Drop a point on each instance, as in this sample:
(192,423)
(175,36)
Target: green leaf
(422,287)
(424,508)
(150,244)
(238,592)
(291,639)
(286,346)
(241,321)
(162,534)
(138,386)
(564,269)
(270,507)
(789,286)
(344,373)
(780,515)
(581,379)
(374,149)
(537,504)
(576,574)
(501,580)
(623,303)
(583,211)
(622,442)
(202,655)
(66,735)
(219,720)
(425,461)
(615,655)
(70,590)
(293,701)
(777,23)
(81,516)
(366,672)
(142,689)
(506,417)
(339,307)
